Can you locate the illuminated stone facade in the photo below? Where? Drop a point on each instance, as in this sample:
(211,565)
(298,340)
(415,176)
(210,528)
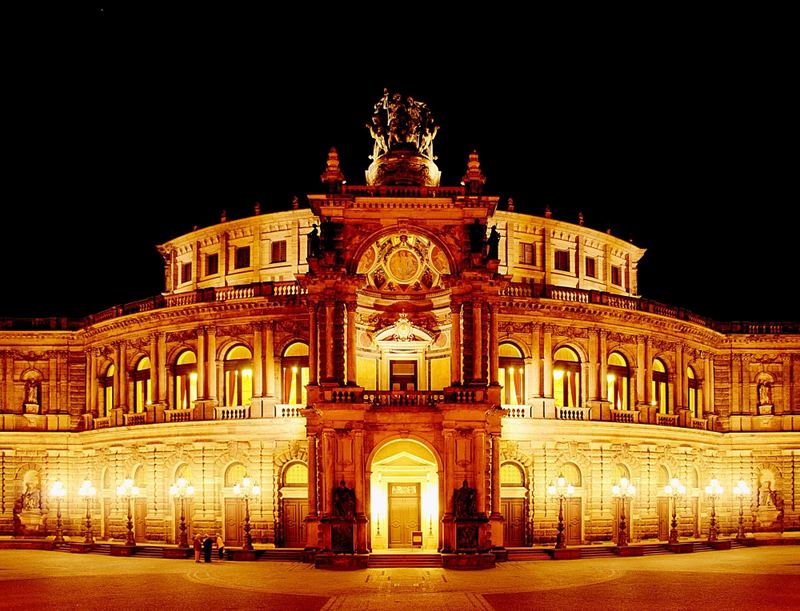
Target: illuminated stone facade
(388,338)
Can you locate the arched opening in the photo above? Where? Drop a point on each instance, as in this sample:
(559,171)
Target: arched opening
(572,505)
(511,373)
(234,509)
(621,477)
(694,392)
(294,364)
(294,504)
(140,503)
(659,387)
(106,383)
(513,504)
(619,378)
(566,378)
(238,368)
(184,380)
(184,482)
(404,496)
(141,385)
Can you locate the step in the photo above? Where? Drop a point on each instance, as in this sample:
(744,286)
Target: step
(282,555)
(655,549)
(597,552)
(381,561)
(527,554)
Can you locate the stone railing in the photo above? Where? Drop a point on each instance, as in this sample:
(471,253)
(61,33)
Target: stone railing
(574,413)
(178,415)
(392,398)
(226,293)
(624,415)
(134,419)
(667,419)
(102,423)
(518,411)
(699,423)
(234,412)
(401,191)
(287,410)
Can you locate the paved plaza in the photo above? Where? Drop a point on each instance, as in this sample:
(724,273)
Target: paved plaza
(752,578)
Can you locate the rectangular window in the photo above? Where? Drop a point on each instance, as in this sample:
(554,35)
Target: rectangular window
(278,252)
(527,256)
(616,275)
(562,260)
(186,272)
(242,257)
(591,267)
(212,264)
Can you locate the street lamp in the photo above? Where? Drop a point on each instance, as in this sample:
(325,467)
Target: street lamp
(713,491)
(561,489)
(247,490)
(623,491)
(58,491)
(741,490)
(673,489)
(128,491)
(87,491)
(182,489)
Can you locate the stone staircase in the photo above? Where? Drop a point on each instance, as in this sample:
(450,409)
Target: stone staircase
(403,561)
(655,549)
(281,554)
(526,553)
(598,551)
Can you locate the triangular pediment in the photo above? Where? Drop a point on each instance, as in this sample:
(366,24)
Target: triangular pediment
(403,459)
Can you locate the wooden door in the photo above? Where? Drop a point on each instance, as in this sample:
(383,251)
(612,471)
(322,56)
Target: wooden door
(572,520)
(402,375)
(107,506)
(694,507)
(663,518)
(514,525)
(294,526)
(618,515)
(403,513)
(140,519)
(234,522)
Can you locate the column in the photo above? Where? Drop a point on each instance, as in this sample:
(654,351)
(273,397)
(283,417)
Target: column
(455,343)
(313,366)
(450,469)
(358,457)
(680,396)
(351,344)
(162,368)
(92,406)
(495,439)
(707,404)
(117,369)
(494,359)
(477,344)
(329,310)
(594,357)
(547,369)
(602,358)
(711,385)
(154,364)
(648,371)
(479,444)
(258,371)
(312,475)
(212,362)
(536,360)
(269,357)
(640,370)
(52,385)
(328,474)
(201,363)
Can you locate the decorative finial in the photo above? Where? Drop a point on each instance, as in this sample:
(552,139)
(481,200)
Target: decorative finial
(608,231)
(223,218)
(474,178)
(257,208)
(548,214)
(580,218)
(332,175)
(295,202)
(510,204)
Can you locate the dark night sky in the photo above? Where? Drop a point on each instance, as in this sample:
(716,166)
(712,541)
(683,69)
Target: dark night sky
(126,129)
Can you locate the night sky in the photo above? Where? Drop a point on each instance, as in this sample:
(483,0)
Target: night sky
(126,129)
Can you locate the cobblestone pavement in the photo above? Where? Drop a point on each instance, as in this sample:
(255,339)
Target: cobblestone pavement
(753,578)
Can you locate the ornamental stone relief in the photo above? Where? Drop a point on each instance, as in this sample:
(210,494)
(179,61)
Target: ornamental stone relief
(404,263)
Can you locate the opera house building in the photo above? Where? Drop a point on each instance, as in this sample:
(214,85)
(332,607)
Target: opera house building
(399,364)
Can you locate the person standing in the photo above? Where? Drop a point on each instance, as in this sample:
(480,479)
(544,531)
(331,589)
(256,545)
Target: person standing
(198,546)
(207,543)
(220,546)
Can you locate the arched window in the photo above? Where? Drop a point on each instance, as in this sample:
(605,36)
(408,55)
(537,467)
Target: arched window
(107,390)
(184,380)
(294,363)
(619,378)
(238,376)
(566,378)
(184,471)
(511,374)
(572,474)
(663,477)
(141,385)
(511,475)
(295,475)
(694,387)
(659,387)
(234,474)
(620,471)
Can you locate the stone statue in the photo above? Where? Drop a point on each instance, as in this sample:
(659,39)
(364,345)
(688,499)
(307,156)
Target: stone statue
(313,243)
(477,232)
(344,501)
(493,242)
(32,392)
(765,494)
(30,498)
(396,121)
(763,392)
(465,501)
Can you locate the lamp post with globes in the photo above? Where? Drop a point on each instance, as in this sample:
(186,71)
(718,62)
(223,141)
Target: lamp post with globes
(247,490)
(181,489)
(713,491)
(674,489)
(87,491)
(741,490)
(58,492)
(623,491)
(128,491)
(561,489)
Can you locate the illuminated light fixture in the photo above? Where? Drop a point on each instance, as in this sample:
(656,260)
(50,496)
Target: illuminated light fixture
(247,372)
(610,378)
(713,491)
(741,490)
(294,369)
(129,491)
(673,489)
(624,490)
(87,491)
(558,374)
(511,370)
(653,402)
(247,490)
(561,489)
(58,492)
(181,489)
(193,376)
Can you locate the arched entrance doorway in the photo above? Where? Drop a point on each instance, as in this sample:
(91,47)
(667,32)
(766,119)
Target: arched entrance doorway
(404,496)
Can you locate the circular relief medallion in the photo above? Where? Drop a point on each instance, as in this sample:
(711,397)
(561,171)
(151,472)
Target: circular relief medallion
(366,262)
(403,265)
(439,260)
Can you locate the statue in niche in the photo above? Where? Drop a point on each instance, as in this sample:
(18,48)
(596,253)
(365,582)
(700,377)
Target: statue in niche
(465,501)
(32,391)
(766,494)
(344,501)
(31,498)
(477,232)
(313,243)
(493,242)
(764,393)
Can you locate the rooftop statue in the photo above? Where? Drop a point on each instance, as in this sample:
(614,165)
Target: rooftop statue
(397,121)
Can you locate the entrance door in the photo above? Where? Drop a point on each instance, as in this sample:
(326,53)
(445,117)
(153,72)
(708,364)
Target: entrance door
(403,513)
(573,520)
(514,525)
(140,519)
(294,526)
(108,504)
(234,522)
(402,375)
(663,518)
